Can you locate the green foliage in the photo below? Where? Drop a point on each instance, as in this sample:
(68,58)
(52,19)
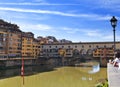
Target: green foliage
(104,84)
(99,85)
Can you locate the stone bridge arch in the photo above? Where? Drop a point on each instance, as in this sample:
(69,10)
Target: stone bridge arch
(76,53)
(83,51)
(90,51)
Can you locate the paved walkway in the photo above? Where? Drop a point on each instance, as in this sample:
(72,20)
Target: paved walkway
(113,76)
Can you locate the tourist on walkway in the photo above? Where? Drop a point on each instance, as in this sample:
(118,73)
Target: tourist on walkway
(116,61)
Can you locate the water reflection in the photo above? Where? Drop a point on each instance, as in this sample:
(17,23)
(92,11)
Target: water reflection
(29,70)
(46,68)
(67,76)
(95,69)
(85,78)
(89,69)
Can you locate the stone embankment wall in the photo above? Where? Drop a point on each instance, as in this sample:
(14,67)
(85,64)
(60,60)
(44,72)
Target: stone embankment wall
(29,62)
(12,63)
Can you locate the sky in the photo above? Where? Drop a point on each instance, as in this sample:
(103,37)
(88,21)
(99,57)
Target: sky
(75,20)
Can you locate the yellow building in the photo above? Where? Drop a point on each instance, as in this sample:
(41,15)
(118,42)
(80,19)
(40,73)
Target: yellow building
(27,46)
(103,52)
(36,49)
(65,52)
(30,46)
(10,40)
(14,42)
(3,44)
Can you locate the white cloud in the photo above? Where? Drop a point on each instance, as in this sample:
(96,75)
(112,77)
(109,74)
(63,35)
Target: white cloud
(43,27)
(88,32)
(38,3)
(70,30)
(90,16)
(75,2)
(31,27)
(108,4)
(109,37)
(24,3)
(113,5)
(47,28)
(92,32)
(22,16)
(39,0)
(103,3)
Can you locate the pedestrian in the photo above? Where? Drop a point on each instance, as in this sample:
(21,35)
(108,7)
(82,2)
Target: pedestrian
(116,61)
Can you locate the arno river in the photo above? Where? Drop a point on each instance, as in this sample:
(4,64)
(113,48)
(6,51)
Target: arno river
(47,76)
(29,70)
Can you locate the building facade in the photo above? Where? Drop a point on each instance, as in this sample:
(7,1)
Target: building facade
(16,44)
(103,52)
(30,45)
(83,48)
(10,40)
(36,48)
(3,43)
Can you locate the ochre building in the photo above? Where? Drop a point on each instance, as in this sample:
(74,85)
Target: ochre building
(10,40)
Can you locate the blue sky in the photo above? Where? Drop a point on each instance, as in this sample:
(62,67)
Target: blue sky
(75,20)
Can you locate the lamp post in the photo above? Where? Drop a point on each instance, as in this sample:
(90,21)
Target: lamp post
(114,24)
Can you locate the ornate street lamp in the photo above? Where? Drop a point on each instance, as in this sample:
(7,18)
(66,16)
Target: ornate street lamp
(114,24)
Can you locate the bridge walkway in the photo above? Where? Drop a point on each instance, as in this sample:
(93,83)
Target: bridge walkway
(113,76)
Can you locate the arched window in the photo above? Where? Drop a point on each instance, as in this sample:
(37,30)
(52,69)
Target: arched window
(76,53)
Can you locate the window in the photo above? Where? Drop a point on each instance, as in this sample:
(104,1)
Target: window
(104,46)
(50,50)
(89,46)
(97,46)
(112,46)
(56,46)
(82,46)
(28,42)
(1,47)
(4,39)
(68,46)
(75,46)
